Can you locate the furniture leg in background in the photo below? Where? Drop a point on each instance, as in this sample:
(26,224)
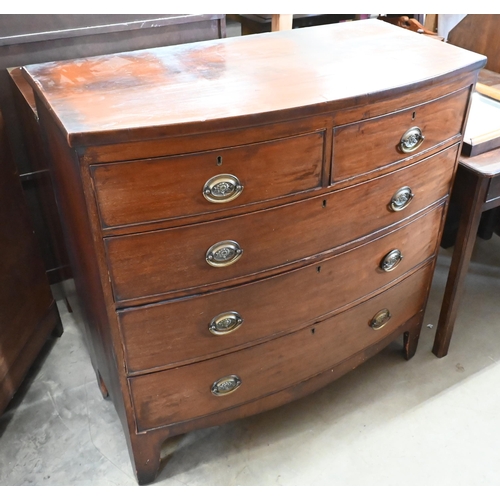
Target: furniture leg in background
(476,189)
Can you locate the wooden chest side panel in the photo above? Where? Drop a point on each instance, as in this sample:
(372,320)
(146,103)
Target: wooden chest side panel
(94,299)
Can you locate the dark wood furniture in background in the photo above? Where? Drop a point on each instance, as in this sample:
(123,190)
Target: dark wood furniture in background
(28,313)
(479,33)
(262,23)
(28,39)
(238,212)
(476,191)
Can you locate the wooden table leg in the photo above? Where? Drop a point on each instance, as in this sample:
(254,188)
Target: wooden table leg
(280,22)
(473,192)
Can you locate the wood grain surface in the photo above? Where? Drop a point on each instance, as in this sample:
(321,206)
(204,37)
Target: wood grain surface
(172,187)
(378,139)
(158,262)
(148,92)
(176,332)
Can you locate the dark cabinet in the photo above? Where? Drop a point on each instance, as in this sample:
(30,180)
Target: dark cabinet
(28,313)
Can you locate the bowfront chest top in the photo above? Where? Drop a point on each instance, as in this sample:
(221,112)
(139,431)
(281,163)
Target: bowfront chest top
(250,218)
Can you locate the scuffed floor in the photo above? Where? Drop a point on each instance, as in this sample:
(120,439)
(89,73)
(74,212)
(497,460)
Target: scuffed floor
(428,421)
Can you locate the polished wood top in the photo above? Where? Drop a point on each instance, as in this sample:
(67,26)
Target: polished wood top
(235,81)
(486,164)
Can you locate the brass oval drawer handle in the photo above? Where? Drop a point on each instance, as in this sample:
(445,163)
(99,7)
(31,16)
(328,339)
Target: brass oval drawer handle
(391,260)
(401,199)
(380,319)
(222,188)
(411,140)
(225,323)
(226,385)
(224,253)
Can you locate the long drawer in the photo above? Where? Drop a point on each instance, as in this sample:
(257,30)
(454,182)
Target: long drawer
(211,181)
(185,393)
(181,259)
(370,144)
(187,330)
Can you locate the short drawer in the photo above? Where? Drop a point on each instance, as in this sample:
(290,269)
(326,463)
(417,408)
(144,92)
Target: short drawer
(183,331)
(367,145)
(177,260)
(185,393)
(211,181)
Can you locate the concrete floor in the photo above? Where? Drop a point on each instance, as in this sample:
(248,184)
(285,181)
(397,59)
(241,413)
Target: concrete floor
(428,421)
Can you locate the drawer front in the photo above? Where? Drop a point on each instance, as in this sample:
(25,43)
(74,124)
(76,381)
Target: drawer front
(370,144)
(185,393)
(159,262)
(185,330)
(179,186)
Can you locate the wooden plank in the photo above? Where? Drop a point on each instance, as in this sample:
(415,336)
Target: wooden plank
(281,22)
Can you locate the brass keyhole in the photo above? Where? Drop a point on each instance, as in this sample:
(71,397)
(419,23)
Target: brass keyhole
(219,161)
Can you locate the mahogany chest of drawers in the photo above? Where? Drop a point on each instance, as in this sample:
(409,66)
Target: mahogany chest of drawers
(251,218)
